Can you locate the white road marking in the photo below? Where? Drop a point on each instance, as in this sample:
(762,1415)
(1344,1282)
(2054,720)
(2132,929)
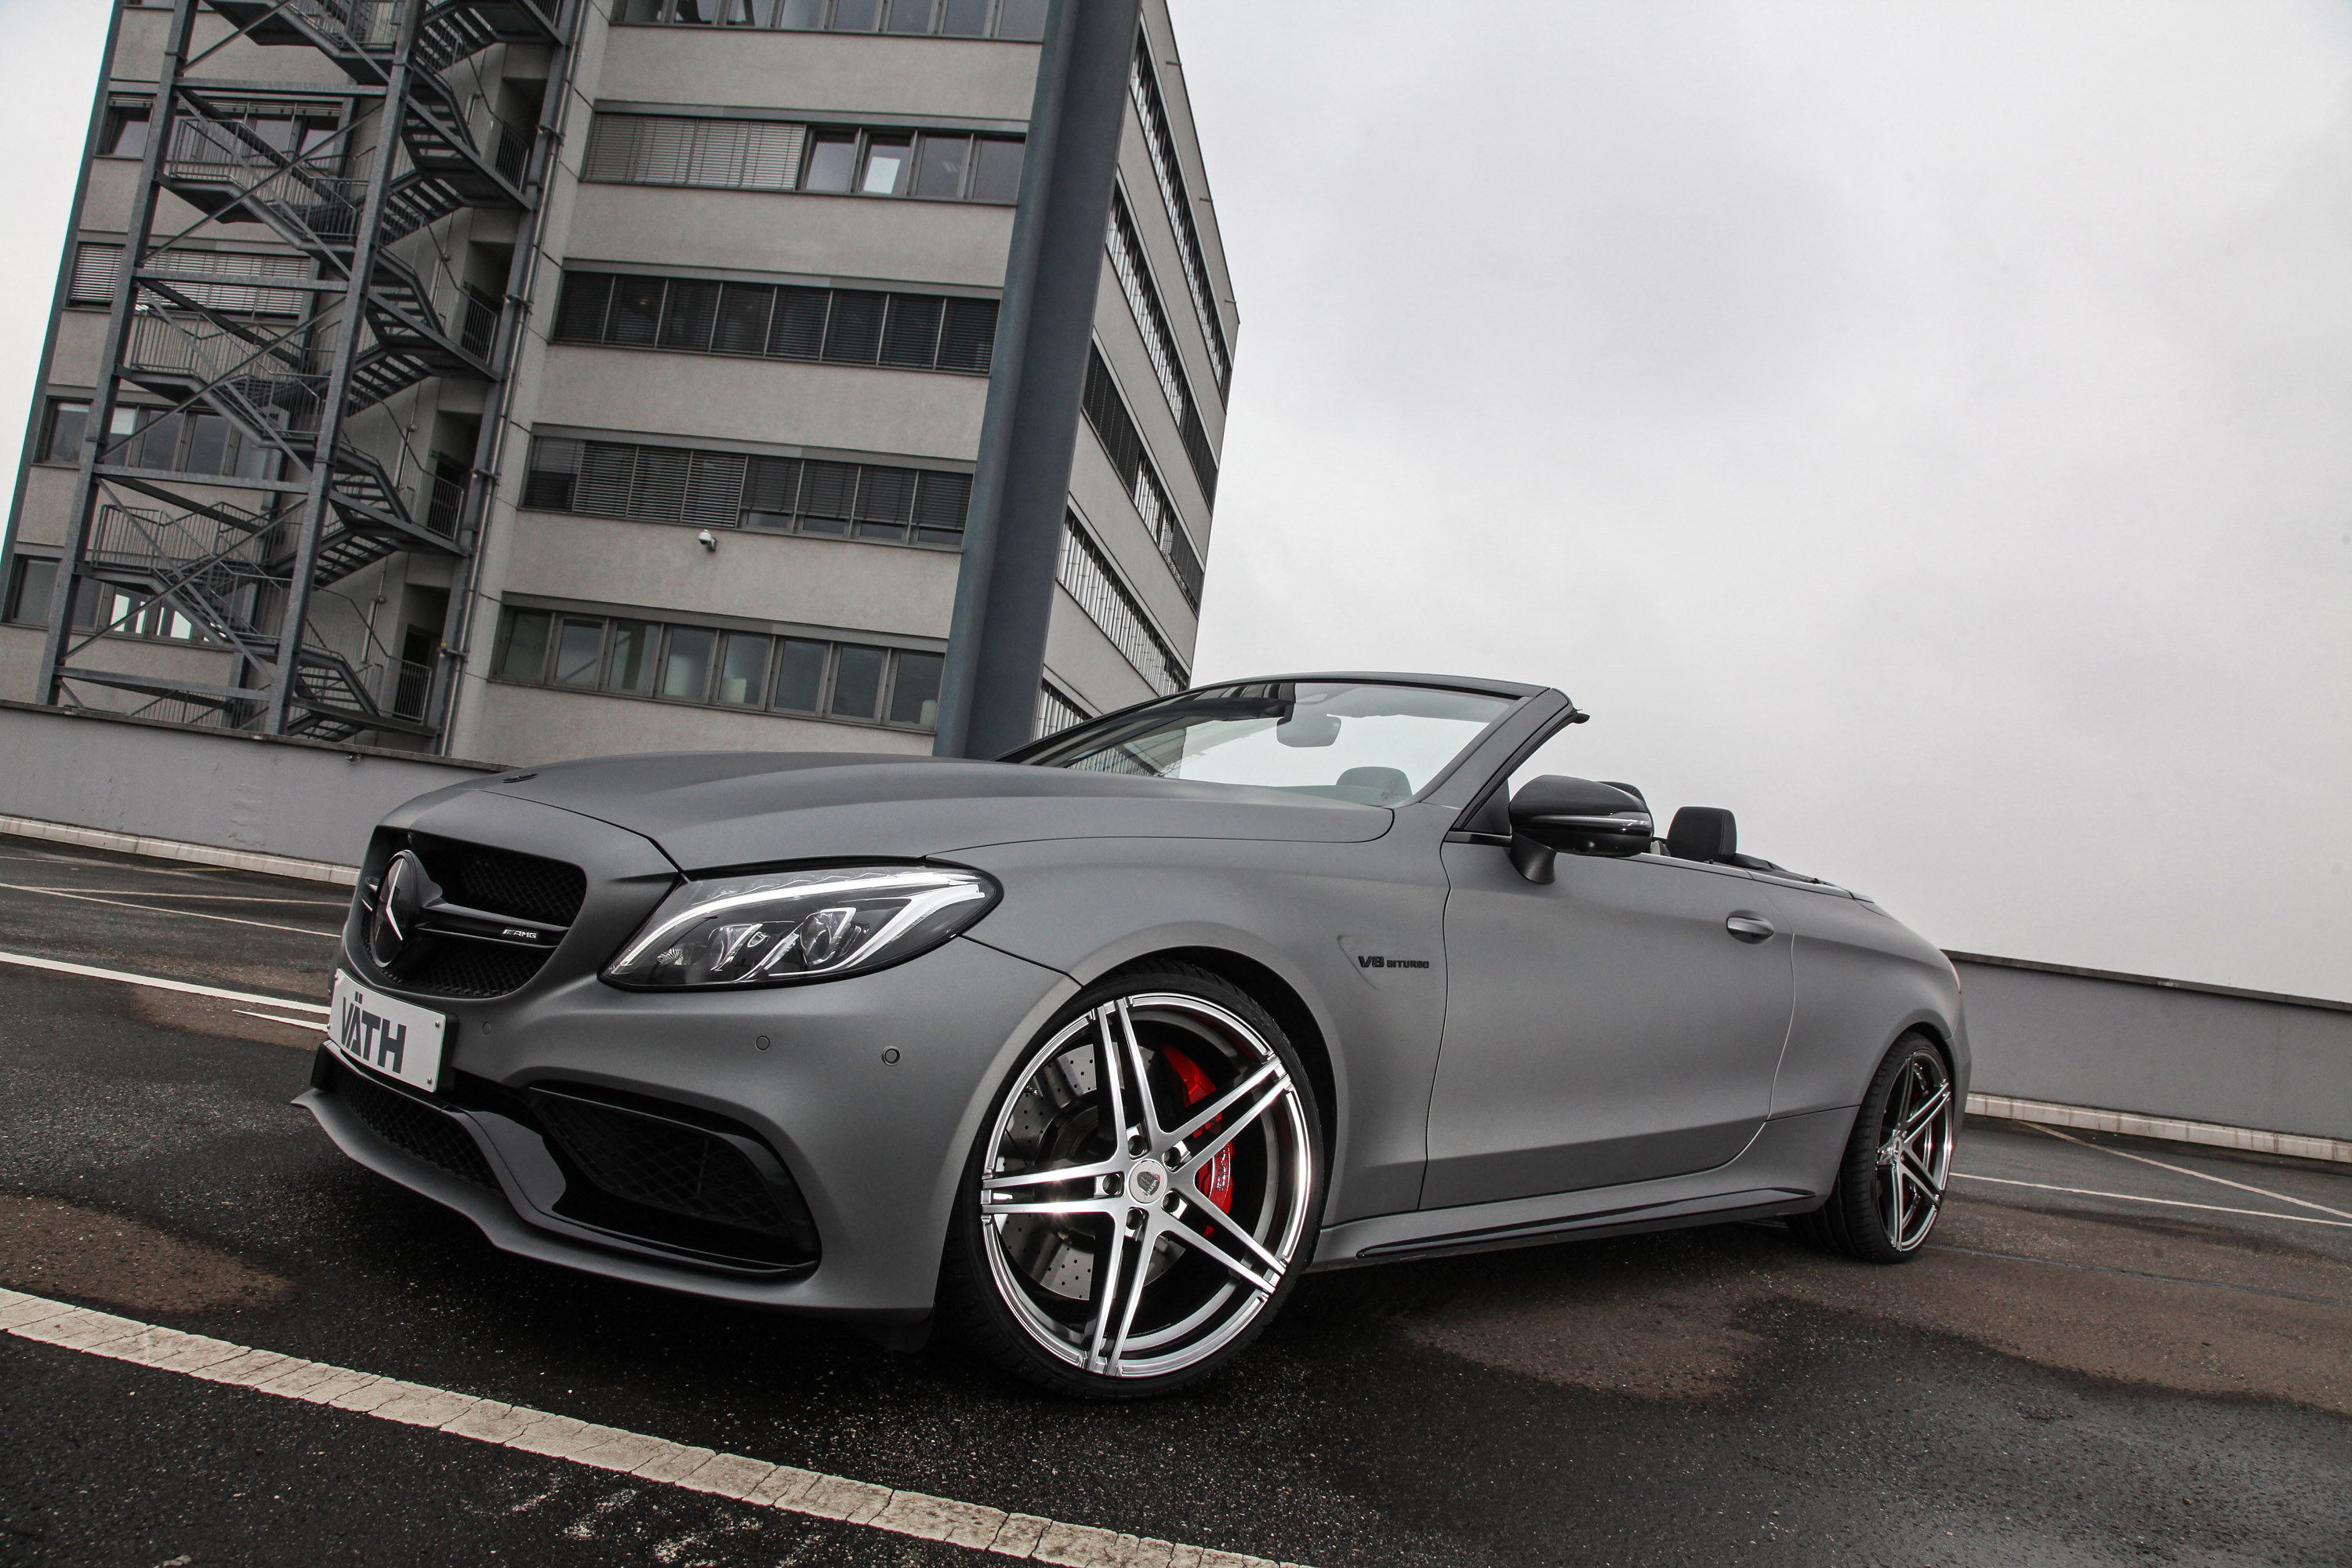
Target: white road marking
(170,893)
(2200,1175)
(271,1018)
(528,1431)
(183,914)
(62,967)
(2163,1203)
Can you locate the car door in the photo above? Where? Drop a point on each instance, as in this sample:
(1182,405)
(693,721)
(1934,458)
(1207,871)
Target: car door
(1606,1027)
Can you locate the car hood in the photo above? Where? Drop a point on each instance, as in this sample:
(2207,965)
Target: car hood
(727,808)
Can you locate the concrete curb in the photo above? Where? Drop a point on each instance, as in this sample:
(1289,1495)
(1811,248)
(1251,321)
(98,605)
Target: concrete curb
(2173,1129)
(175,849)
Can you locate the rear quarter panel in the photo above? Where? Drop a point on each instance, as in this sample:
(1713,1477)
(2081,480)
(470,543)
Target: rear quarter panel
(1863,978)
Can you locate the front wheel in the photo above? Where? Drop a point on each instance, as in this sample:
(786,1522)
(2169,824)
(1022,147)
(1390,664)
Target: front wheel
(1138,1203)
(1890,1186)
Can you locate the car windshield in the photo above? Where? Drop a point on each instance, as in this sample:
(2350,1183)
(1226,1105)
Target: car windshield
(1353,741)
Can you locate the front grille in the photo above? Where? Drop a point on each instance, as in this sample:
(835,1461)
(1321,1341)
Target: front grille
(410,1124)
(502,881)
(494,881)
(663,1180)
(456,967)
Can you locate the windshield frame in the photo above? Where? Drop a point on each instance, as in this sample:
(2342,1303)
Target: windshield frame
(1514,696)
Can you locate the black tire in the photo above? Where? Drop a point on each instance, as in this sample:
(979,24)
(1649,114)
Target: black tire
(1019,1287)
(1876,1206)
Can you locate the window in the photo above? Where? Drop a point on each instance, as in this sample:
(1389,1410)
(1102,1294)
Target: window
(871,502)
(66,423)
(578,652)
(1017,21)
(186,443)
(30,584)
(1057,710)
(1143,87)
(1090,578)
(706,665)
(306,131)
(743,670)
(96,272)
(686,662)
(1107,417)
(200,266)
(889,162)
(770,155)
(124,134)
(631,667)
(522,645)
(1134,274)
(98,607)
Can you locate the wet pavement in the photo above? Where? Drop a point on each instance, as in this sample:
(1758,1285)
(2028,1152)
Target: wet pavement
(2159,1374)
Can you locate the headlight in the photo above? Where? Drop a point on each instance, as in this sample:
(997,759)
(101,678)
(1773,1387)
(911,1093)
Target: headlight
(772,928)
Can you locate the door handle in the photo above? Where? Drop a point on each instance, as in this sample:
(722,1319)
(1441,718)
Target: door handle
(1748,928)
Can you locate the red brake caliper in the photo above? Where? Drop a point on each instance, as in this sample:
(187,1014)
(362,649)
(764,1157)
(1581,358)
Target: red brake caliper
(1216,1178)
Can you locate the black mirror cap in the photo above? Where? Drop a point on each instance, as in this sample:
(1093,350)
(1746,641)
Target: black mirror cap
(1580,817)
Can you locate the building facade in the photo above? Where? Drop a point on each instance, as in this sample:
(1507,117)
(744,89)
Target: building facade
(531,379)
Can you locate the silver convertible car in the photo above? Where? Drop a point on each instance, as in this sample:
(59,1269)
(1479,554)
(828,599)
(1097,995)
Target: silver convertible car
(1090,1052)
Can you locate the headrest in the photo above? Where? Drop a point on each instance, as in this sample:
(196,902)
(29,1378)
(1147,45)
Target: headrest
(1389,783)
(1703,832)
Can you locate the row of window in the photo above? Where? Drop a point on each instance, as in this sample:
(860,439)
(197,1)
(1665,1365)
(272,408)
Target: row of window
(1107,417)
(898,687)
(1020,20)
(296,131)
(1143,303)
(731,489)
(97,272)
(123,612)
(837,326)
(773,155)
(1143,86)
(1090,578)
(182,443)
(1056,710)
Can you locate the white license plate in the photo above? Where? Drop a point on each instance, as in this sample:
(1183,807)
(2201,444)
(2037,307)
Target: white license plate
(394,1037)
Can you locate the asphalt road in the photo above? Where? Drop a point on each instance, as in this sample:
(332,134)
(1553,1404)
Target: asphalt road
(2065,1378)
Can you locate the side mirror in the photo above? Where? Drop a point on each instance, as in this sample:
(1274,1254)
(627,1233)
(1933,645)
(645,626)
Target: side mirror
(1551,815)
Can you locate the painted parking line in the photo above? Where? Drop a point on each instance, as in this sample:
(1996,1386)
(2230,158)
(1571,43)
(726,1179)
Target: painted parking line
(182,914)
(2160,1203)
(525,1430)
(168,893)
(2200,1175)
(291,1023)
(60,966)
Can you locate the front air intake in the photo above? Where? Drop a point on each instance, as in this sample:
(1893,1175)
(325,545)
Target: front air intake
(674,1177)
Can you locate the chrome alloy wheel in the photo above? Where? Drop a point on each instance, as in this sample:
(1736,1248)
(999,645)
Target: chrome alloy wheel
(1146,1186)
(1915,1150)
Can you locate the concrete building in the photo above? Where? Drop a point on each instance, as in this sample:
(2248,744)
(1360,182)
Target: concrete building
(530,379)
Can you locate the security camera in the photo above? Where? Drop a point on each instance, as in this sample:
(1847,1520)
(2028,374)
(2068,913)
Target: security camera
(710,541)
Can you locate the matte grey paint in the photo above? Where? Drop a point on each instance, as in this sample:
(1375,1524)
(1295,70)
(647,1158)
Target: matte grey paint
(1601,1028)
(1099,869)
(1013,530)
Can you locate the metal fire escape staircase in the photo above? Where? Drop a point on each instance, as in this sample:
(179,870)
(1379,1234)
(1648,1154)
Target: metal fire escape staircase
(368,329)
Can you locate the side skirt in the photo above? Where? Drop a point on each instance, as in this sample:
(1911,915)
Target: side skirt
(1786,1170)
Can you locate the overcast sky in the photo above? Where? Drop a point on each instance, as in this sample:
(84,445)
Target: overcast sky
(1925,430)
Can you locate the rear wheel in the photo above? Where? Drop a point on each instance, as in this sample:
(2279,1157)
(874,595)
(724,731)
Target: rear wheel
(1890,1186)
(1148,1178)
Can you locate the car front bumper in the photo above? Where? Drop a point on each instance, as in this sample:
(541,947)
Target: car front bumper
(859,1096)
